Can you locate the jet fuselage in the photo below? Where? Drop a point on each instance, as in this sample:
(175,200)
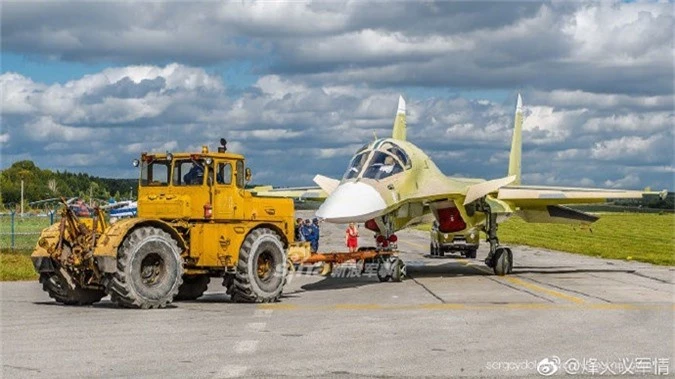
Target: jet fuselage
(390,184)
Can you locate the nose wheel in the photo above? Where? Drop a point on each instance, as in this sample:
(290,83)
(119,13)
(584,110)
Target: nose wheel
(391,268)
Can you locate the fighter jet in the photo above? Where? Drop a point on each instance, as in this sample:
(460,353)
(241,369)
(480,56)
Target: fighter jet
(391,184)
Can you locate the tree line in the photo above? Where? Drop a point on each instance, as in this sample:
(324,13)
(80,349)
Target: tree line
(44,184)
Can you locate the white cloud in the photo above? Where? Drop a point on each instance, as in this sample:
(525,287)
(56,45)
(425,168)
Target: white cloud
(306,118)
(625,148)
(600,47)
(645,122)
(630,181)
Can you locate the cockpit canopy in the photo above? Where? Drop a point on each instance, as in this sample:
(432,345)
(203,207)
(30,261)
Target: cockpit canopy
(379,161)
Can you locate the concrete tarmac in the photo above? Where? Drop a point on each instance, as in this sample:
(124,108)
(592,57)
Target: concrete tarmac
(558,312)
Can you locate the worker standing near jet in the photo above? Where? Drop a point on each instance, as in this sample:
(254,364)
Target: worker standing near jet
(298,230)
(352,237)
(316,233)
(307,232)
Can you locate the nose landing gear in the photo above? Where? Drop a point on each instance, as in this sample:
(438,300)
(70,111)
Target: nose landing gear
(391,267)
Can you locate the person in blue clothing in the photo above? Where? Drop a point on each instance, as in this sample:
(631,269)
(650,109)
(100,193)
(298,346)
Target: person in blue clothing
(195,175)
(316,234)
(308,233)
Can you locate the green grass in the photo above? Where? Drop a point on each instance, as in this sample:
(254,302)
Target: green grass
(16,265)
(631,236)
(27,231)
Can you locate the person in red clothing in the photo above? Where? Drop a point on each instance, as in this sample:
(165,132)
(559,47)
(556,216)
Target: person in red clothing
(352,237)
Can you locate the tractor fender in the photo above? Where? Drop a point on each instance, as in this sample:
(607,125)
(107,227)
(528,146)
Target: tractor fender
(105,252)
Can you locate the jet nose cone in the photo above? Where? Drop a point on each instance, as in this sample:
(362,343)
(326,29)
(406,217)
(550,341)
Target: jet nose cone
(351,202)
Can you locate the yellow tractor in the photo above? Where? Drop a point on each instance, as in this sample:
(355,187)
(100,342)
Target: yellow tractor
(195,221)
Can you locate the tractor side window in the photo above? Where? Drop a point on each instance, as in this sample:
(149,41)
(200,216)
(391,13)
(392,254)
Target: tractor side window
(224,173)
(155,173)
(241,176)
(188,172)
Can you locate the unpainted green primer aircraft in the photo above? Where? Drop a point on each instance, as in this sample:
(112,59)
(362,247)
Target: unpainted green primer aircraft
(391,184)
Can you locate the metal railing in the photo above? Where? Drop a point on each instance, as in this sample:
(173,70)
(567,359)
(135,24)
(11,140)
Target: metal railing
(21,232)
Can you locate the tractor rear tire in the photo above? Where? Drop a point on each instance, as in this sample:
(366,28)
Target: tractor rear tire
(149,270)
(193,287)
(58,289)
(261,268)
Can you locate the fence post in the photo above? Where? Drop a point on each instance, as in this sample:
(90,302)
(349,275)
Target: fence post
(51,217)
(12,228)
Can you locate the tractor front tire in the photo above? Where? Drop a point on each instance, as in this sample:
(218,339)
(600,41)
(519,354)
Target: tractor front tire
(58,289)
(193,287)
(261,268)
(149,270)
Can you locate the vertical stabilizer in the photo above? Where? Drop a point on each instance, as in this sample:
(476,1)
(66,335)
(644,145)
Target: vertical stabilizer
(399,122)
(516,142)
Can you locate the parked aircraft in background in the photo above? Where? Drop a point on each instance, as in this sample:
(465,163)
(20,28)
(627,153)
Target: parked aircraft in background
(121,209)
(391,184)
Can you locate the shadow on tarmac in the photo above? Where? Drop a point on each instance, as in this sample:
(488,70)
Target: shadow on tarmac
(449,271)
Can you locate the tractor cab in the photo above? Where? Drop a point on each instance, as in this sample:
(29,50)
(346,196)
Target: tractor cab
(188,185)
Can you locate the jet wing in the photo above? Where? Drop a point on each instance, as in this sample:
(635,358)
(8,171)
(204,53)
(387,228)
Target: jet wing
(544,204)
(297,193)
(534,196)
(320,193)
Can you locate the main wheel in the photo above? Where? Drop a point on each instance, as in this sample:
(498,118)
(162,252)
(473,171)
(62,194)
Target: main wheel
(149,270)
(58,289)
(384,270)
(193,287)
(260,270)
(503,261)
(398,270)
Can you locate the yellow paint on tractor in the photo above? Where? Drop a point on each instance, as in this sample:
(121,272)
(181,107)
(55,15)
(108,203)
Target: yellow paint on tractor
(191,206)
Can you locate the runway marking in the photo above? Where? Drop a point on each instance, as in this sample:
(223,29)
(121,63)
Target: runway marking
(469,306)
(525,284)
(246,346)
(546,291)
(358,306)
(277,306)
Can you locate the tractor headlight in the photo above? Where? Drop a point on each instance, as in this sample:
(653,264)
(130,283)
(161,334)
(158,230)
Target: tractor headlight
(136,162)
(169,156)
(208,161)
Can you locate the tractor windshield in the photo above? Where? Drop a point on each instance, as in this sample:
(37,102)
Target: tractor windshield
(155,172)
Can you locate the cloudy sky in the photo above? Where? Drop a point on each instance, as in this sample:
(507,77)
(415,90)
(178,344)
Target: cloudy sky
(298,87)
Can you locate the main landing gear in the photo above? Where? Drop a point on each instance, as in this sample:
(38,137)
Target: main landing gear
(500,258)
